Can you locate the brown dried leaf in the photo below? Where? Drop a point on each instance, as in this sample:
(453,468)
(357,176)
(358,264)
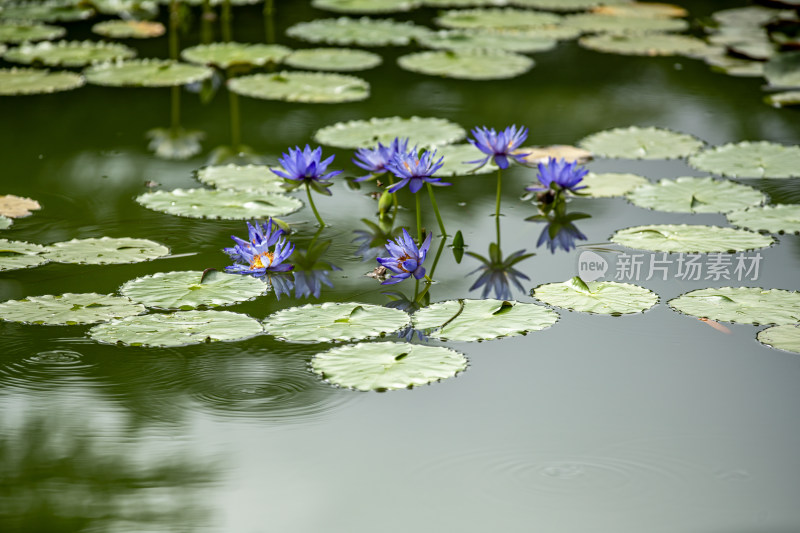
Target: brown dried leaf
(17,206)
(642,9)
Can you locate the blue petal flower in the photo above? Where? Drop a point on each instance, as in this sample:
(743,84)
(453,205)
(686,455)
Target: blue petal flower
(375,160)
(265,251)
(306,165)
(415,169)
(498,146)
(405,259)
(560,175)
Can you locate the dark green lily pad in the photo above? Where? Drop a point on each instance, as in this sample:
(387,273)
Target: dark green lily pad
(600,297)
(651,44)
(421,132)
(366,6)
(770,218)
(20,254)
(306,87)
(251,178)
(690,238)
(467,64)
(456,157)
(146,73)
(783,99)
(336,59)
(521,41)
(594,23)
(783,70)
(52,11)
(750,160)
(68,53)
(785,337)
(191,289)
(330,322)
(20,32)
(744,305)
(641,143)
(68,309)
(225,204)
(473,320)
(105,251)
(129,29)
(177,329)
(225,55)
(611,184)
(496,18)
(15,81)
(695,195)
(346,31)
(381,366)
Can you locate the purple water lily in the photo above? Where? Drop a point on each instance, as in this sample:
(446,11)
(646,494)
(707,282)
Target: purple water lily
(559,175)
(498,146)
(306,165)
(405,259)
(266,250)
(415,169)
(375,160)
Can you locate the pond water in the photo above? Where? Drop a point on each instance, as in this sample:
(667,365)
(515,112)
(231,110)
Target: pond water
(652,421)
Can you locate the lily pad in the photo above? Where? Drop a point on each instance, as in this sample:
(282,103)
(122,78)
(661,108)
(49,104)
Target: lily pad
(607,185)
(744,305)
(48,11)
(690,238)
(225,204)
(760,159)
(641,143)
(464,3)
(565,5)
(5,222)
(20,32)
(600,297)
(783,99)
(177,329)
(381,366)
(17,206)
(105,251)
(541,154)
(521,41)
(225,55)
(732,66)
(594,23)
(191,289)
(695,195)
(783,70)
(36,81)
(656,44)
(146,73)
(330,322)
(346,31)
(642,10)
(68,53)
(68,309)
(473,320)
(306,87)
(770,218)
(744,16)
(496,18)
(250,178)
(366,6)
(456,157)
(467,64)
(20,254)
(421,132)
(129,29)
(337,59)
(785,337)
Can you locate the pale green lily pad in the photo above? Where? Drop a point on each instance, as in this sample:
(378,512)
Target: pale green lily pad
(600,297)
(771,218)
(177,329)
(641,143)
(783,99)
(336,59)
(15,81)
(758,50)
(523,41)
(783,70)
(607,185)
(733,66)
(745,16)
(69,309)
(20,32)
(496,18)
(695,195)
(146,73)
(250,178)
(760,159)
(3,48)
(656,44)
(306,87)
(474,320)
(421,132)
(225,55)
(330,322)
(129,29)
(744,305)
(690,238)
(130,9)
(20,254)
(68,53)
(346,31)
(785,337)
(464,3)
(184,290)
(5,222)
(565,5)
(594,23)
(105,251)
(456,157)
(52,11)
(382,366)
(366,6)
(467,64)
(225,204)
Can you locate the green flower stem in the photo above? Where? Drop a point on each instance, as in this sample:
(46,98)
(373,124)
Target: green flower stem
(419,220)
(499,191)
(174,23)
(436,259)
(313,207)
(206,30)
(436,210)
(269,21)
(226,19)
(175,108)
(236,136)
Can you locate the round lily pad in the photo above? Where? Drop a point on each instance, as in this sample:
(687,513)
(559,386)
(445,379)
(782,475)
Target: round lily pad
(146,73)
(381,366)
(177,329)
(366,6)
(745,305)
(129,29)
(783,99)
(770,218)
(191,289)
(597,23)
(600,297)
(690,238)
(521,41)
(337,59)
(363,133)
(17,206)
(607,185)
(467,64)
(307,87)
(68,53)
(346,31)
(251,178)
(473,320)
(496,18)
(695,195)
(785,337)
(744,16)
(48,11)
(36,81)
(68,309)
(783,70)
(760,159)
(656,44)
(5,222)
(20,254)
(105,251)
(456,157)
(720,61)
(20,32)
(330,321)
(225,204)
(224,55)
(641,143)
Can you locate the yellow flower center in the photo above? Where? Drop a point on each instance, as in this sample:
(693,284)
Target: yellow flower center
(258,263)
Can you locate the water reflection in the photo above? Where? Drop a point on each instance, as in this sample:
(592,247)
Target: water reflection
(559,231)
(372,241)
(498,273)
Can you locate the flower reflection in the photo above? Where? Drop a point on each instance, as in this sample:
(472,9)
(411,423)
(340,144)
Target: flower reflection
(559,231)
(398,300)
(497,274)
(371,241)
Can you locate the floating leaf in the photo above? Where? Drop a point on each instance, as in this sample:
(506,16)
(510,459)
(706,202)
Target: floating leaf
(496,18)
(744,16)
(226,204)
(20,254)
(783,99)
(522,41)
(421,132)
(770,218)
(601,297)
(690,239)
(129,29)
(366,6)
(722,62)
(307,87)
(473,320)
(456,157)
(695,195)
(105,251)
(655,44)
(541,154)
(611,184)
(189,289)
(68,53)
(785,337)
(177,329)
(745,305)
(5,222)
(48,11)
(750,160)
(250,178)
(146,73)
(36,81)
(464,3)
(225,55)
(594,23)
(564,5)
(467,64)
(345,31)
(337,59)
(641,9)
(129,9)
(641,143)
(20,32)
(783,70)
(17,206)
(68,309)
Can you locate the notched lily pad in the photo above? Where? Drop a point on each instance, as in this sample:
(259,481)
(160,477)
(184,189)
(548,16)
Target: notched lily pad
(695,195)
(745,305)
(785,337)
(37,81)
(20,254)
(690,238)
(596,23)
(105,251)
(366,6)
(68,53)
(146,73)
(346,31)
(760,159)
(651,44)
(600,297)
(609,184)
(17,206)
(496,18)
(225,204)
(191,289)
(224,55)
(129,29)
(306,87)
(421,132)
(784,218)
(336,59)
(19,32)
(641,143)
(248,178)
(69,309)
(467,64)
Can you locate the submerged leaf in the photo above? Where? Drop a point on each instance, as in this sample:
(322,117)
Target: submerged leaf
(307,87)
(746,305)
(226,204)
(421,132)
(690,238)
(190,289)
(69,309)
(601,297)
